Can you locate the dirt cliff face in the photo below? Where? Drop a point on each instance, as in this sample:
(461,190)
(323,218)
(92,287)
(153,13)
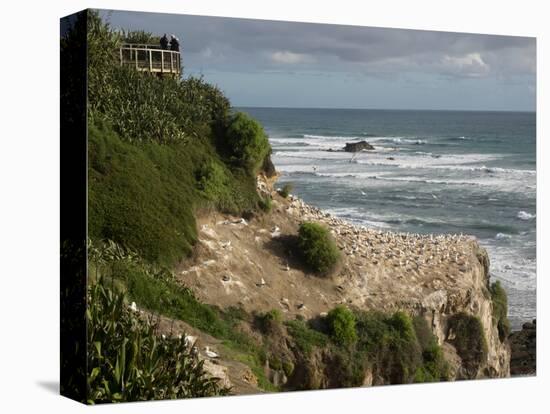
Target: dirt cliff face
(252,264)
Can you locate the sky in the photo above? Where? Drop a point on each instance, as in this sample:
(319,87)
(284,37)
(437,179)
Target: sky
(291,64)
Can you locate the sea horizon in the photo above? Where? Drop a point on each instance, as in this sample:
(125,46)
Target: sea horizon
(387,109)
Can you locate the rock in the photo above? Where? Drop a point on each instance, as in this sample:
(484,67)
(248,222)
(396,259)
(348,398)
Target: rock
(268,168)
(528,325)
(358,146)
(217,371)
(523,345)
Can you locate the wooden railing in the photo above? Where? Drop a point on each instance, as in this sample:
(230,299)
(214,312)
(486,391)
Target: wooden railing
(150,58)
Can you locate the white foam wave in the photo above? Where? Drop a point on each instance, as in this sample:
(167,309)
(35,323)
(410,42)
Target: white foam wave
(523,215)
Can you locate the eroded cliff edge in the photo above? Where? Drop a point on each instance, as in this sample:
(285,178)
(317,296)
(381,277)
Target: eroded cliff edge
(250,263)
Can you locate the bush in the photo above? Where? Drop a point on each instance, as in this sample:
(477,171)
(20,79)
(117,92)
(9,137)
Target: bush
(317,248)
(128,362)
(144,108)
(285,191)
(500,310)
(341,326)
(269,321)
(434,367)
(391,346)
(246,142)
(265,204)
(305,338)
(469,341)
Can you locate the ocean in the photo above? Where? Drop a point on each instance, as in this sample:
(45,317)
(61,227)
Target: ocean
(430,172)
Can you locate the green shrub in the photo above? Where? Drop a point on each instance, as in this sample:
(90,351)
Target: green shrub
(305,338)
(346,368)
(469,341)
(434,366)
(128,362)
(269,321)
(317,248)
(500,310)
(265,204)
(288,367)
(341,325)
(140,37)
(275,363)
(246,142)
(391,346)
(285,191)
(144,108)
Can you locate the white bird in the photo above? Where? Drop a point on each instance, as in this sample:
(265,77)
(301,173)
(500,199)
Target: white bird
(362,192)
(189,340)
(209,353)
(262,282)
(433,195)
(133,307)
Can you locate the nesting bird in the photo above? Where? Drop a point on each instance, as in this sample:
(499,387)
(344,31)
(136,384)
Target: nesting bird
(209,353)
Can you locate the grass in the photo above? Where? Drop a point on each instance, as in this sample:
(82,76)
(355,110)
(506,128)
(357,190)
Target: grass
(145,196)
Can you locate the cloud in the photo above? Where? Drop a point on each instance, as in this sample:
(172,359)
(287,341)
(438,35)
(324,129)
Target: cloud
(286,57)
(263,45)
(469,65)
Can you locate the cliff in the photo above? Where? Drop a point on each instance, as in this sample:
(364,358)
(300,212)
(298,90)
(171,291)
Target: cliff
(251,264)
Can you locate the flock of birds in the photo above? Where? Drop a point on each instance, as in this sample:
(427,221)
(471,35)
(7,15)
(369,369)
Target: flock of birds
(412,251)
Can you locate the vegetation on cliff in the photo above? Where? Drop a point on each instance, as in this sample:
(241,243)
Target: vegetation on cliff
(468,337)
(317,248)
(341,325)
(500,310)
(395,349)
(129,362)
(160,149)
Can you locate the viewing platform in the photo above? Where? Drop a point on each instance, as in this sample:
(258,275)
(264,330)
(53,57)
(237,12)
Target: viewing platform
(151,58)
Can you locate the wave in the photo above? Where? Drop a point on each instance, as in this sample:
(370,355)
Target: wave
(370,137)
(523,215)
(462,138)
(333,137)
(502,236)
(370,176)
